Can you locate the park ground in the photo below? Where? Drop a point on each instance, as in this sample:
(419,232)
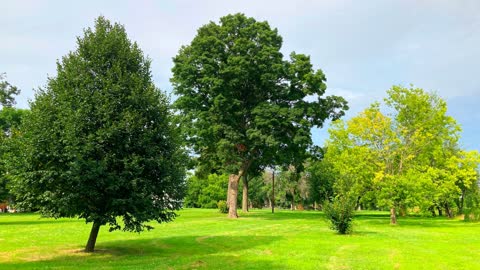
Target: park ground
(206,239)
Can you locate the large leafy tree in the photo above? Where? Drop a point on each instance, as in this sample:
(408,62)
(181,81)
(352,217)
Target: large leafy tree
(242,105)
(403,159)
(99,143)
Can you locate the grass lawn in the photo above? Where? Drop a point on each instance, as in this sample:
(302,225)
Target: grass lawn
(205,239)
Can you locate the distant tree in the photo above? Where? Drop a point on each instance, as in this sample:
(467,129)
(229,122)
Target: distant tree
(99,143)
(241,103)
(205,192)
(10,120)
(320,178)
(7,92)
(258,191)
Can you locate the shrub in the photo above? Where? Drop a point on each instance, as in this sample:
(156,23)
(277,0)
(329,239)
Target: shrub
(340,213)
(222,207)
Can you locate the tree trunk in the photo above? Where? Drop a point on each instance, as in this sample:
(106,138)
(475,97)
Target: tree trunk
(245,194)
(272,202)
(228,192)
(232,195)
(448,211)
(462,202)
(93,237)
(292,204)
(393,216)
(439,211)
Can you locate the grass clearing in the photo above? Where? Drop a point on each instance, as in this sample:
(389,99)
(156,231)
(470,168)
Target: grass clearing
(206,239)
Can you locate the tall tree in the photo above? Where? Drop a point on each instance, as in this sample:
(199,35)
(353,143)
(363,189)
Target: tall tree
(99,143)
(242,103)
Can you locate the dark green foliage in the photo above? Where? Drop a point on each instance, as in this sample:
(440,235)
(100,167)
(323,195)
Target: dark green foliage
(99,143)
(340,213)
(10,121)
(258,191)
(205,192)
(242,107)
(320,180)
(231,80)
(7,92)
(222,207)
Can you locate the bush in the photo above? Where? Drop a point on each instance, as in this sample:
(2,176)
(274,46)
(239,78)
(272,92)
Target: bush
(340,213)
(222,207)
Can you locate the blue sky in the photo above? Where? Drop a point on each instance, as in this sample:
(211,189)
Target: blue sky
(363,47)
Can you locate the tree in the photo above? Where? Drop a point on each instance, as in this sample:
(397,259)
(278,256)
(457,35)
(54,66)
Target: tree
(205,192)
(10,122)
(241,103)
(405,158)
(99,143)
(340,213)
(320,180)
(7,92)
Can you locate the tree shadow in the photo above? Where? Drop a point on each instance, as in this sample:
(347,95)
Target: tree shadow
(179,252)
(40,221)
(284,215)
(411,221)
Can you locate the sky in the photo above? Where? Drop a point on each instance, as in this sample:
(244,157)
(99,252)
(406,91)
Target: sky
(363,47)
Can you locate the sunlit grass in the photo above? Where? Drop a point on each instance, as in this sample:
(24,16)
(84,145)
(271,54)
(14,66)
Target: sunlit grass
(205,239)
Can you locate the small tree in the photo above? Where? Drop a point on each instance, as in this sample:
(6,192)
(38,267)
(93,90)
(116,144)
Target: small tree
(340,213)
(99,143)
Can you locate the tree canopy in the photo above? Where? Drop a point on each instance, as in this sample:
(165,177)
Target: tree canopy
(99,143)
(408,157)
(242,104)
(7,92)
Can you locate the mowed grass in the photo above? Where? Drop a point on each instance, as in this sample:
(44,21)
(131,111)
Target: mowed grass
(206,239)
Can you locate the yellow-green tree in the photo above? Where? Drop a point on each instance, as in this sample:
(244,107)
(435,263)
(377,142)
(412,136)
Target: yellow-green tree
(406,157)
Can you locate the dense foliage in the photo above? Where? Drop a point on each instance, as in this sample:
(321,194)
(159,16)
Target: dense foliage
(230,81)
(99,143)
(406,159)
(7,92)
(205,192)
(10,121)
(340,213)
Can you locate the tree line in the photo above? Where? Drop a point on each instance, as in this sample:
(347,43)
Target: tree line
(402,156)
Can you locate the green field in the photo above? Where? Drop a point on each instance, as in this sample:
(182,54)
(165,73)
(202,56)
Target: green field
(205,239)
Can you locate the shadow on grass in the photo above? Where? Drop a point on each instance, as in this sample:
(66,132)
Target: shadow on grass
(39,221)
(363,217)
(284,215)
(413,221)
(179,252)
